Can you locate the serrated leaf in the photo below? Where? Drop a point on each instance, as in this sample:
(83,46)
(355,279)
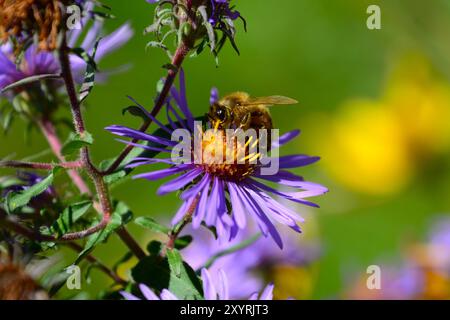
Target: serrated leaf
(151,224)
(89,75)
(16,200)
(76,142)
(30,80)
(157,274)
(70,216)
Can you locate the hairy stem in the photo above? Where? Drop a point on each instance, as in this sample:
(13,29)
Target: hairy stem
(175,232)
(177,61)
(39,165)
(97,178)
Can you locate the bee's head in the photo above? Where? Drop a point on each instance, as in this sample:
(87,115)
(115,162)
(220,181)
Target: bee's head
(220,115)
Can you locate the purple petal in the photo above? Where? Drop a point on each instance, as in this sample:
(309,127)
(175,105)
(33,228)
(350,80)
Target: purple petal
(159,174)
(267,294)
(150,116)
(201,208)
(139,135)
(296,161)
(289,196)
(128,296)
(114,41)
(285,138)
(238,207)
(167,295)
(258,212)
(211,214)
(192,192)
(214,97)
(223,286)
(179,182)
(143,146)
(147,292)
(208,286)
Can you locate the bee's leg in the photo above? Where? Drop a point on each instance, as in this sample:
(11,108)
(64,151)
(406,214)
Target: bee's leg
(245,122)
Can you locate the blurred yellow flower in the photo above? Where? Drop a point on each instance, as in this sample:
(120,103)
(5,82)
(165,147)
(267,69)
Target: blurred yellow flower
(422,105)
(366,150)
(293,282)
(375,147)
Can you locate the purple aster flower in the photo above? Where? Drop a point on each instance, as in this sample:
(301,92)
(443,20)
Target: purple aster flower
(225,195)
(37,62)
(214,288)
(262,255)
(397,283)
(221,9)
(439,245)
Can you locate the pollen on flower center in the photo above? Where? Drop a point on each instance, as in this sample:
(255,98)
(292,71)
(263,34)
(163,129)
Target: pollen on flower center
(231,161)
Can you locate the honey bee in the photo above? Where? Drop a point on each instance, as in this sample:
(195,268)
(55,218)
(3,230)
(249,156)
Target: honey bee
(240,111)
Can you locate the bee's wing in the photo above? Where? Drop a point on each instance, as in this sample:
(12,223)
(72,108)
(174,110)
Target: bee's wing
(269,101)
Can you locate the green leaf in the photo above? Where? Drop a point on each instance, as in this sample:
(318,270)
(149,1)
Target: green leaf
(151,224)
(81,53)
(156,44)
(240,246)
(157,274)
(76,142)
(209,28)
(16,200)
(70,216)
(30,80)
(89,75)
(100,16)
(183,242)
(135,111)
(175,261)
(120,216)
(170,66)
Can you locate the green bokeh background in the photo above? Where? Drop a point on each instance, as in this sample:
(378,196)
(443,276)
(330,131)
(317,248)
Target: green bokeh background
(317,51)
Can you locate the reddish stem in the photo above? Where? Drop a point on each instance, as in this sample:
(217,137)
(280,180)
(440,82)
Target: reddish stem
(175,232)
(39,165)
(94,174)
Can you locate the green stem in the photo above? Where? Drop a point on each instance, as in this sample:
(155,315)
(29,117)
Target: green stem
(237,247)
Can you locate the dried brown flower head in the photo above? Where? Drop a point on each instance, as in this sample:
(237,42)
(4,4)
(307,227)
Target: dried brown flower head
(16,284)
(21,19)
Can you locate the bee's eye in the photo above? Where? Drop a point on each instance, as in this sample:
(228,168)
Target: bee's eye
(221,114)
